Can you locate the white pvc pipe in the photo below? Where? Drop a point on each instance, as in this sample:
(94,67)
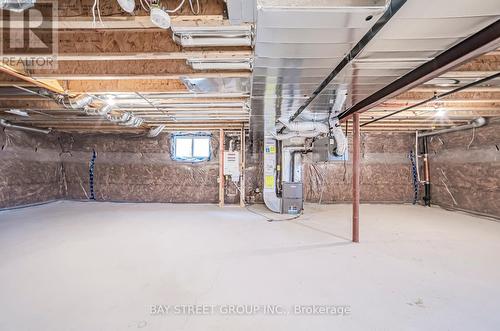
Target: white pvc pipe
(476,123)
(6,124)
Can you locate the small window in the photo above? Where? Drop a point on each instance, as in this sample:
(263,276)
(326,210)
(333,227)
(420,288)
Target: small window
(191,147)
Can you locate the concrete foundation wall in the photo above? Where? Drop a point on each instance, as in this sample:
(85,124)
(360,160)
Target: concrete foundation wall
(465,169)
(385,172)
(30,167)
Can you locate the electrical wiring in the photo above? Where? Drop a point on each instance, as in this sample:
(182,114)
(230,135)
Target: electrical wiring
(96,7)
(146,8)
(473,136)
(181,4)
(197,7)
(176,9)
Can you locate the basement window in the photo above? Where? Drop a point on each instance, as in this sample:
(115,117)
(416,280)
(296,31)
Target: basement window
(191,147)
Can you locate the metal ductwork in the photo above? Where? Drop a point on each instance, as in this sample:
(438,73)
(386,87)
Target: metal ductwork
(81,101)
(125,119)
(7,124)
(104,110)
(155,131)
(296,45)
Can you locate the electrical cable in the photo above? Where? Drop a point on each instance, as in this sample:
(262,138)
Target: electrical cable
(176,9)
(473,136)
(197,7)
(144,7)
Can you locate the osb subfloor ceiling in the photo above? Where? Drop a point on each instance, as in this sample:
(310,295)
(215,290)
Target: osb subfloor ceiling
(142,71)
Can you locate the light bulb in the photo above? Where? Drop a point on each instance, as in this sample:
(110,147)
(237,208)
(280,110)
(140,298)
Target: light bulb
(127,5)
(160,18)
(441,112)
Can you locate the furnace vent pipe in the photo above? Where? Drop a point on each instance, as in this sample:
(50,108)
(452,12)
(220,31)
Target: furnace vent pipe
(6,124)
(305,126)
(302,129)
(476,123)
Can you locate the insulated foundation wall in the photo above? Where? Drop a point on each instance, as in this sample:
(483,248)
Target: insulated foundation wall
(137,169)
(386,175)
(133,168)
(30,167)
(465,169)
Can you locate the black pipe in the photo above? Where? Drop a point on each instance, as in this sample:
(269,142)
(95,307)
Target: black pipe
(427,175)
(279,169)
(453,56)
(435,97)
(393,8)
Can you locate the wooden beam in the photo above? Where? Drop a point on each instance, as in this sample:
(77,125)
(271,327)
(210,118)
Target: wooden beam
(125,85)
(424,88)
(133,77)
(47,83)
(152,56)
(135,22)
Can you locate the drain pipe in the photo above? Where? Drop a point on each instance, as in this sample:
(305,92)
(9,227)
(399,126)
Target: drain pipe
(6,124)
(427,173)
(476,123)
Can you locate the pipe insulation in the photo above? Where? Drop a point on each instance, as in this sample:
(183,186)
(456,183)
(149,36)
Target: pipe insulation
(288,135)
(305,126)
(340,139)
(301,129)
(308,115)
(476,123)
(7,124)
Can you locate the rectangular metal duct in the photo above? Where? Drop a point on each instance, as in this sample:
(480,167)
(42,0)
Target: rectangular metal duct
(241,11)
(297,43)
(313,37)
(418,32)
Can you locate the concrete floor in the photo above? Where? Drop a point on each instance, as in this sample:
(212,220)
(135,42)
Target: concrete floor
(102,266)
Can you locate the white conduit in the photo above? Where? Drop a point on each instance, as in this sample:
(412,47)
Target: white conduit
(6,124)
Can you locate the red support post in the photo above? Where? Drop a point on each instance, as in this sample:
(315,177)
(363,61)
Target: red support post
(356,169)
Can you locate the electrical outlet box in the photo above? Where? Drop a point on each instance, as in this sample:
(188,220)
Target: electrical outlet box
(323,151)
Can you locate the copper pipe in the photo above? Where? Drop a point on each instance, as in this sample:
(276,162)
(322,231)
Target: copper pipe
(355,177)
